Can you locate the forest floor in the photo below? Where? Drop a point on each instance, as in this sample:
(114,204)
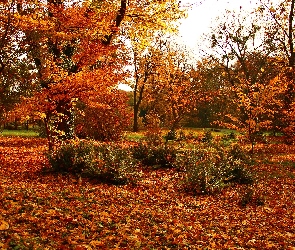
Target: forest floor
(54,211)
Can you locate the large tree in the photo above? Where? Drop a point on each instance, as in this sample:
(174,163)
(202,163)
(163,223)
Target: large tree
(146,41)
(146,61)
(74,48)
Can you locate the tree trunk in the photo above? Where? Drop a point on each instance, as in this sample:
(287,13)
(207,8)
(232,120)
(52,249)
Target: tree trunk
(65,123)
(135,118)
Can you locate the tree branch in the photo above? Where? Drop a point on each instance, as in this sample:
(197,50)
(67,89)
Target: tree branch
(119,19)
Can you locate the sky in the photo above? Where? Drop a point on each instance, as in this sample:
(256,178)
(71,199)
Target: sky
(202,15)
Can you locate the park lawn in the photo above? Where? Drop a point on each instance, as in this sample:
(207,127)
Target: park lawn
(54,211)
(19,133)
(136,136)
(128,135)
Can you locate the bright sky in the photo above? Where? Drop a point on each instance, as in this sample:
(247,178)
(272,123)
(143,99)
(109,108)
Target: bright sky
(202,15)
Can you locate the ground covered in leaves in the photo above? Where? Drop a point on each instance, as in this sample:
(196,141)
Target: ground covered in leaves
(52,211)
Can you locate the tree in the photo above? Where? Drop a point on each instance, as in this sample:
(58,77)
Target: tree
(250,72)
(145,62)
(280,32)
(74,49)
(146,41)
(171,91)
(14,69)
(208,80)
(178,86)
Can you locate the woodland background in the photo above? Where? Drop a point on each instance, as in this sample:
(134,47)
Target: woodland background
(62,62)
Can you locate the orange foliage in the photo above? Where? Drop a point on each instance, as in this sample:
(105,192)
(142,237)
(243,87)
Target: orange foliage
(39,210)
(72,62)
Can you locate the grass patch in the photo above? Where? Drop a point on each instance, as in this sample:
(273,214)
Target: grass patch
(19,133)
(137,136)
(134,136)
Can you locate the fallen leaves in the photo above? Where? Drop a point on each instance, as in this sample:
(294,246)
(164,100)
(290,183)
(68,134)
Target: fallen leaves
(51,210)
(3,225)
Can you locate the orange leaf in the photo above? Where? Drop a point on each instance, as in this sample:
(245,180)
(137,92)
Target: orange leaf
(4,225)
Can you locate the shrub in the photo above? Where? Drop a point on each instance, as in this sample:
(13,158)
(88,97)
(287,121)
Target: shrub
(171,135)
(191,136)
(239,174)
(160,156)
(104,120)
(152,151)
(203,171)
(236,152)
(232,136)
(181,136)
(229,137)
(114,164)
(140,151)
(209,168)
(108,163)
(72,156)
(238,160)
(153,136)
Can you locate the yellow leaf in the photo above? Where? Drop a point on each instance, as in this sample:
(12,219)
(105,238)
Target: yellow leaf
(96,243)
(137,243)
(272,9)
(4,225)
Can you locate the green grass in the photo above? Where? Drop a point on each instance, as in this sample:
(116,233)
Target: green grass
(19,133)
(136,136)
(214,131)
(133,136)
(130,136)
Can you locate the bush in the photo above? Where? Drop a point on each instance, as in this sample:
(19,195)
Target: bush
(229,137)
(152,151)
(153,136)
(72,157)
(191,136)
(181,136)
(104,120)
(236,152)
(160,156)
(239,174)
(203,173)
(171,135)
(232,136)
(114,164)
(108,163)
(208,169)
(140,151)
